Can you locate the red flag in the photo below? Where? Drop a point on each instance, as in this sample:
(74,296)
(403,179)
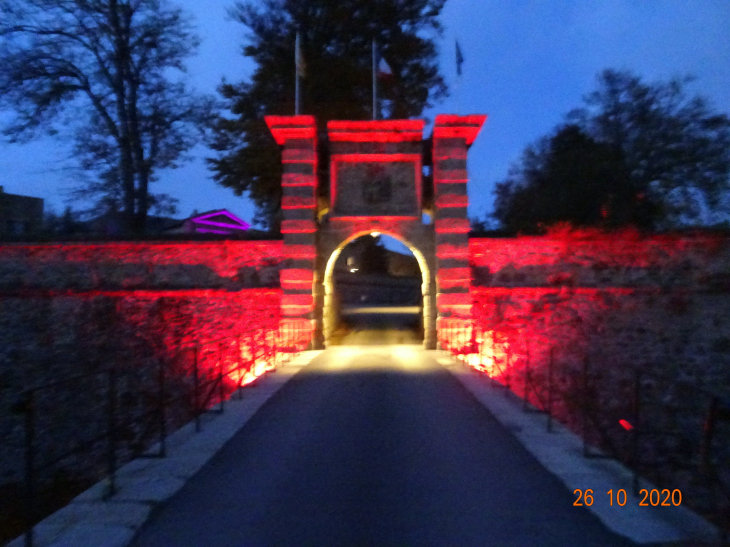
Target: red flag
(384,70)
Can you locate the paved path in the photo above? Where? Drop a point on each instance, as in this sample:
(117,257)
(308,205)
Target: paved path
(374,446)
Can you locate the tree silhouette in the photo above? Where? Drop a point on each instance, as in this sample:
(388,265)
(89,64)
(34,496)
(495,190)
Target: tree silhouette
(106,68)
(635,154)
(336,38)
(374,256)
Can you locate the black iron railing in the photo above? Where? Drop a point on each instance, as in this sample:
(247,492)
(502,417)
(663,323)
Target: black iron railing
(621,413)
(130,411)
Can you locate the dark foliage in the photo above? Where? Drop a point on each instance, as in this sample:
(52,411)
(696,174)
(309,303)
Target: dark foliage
(336,37)
(374,256)
(636,155)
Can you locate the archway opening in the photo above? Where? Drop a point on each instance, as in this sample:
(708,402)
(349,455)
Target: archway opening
(374,292)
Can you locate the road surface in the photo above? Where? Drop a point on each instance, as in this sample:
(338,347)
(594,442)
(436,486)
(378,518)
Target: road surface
(374,446)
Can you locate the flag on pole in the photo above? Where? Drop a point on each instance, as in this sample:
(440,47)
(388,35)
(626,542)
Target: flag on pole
(299,59)
(381,70)
(459,58)
(384,70)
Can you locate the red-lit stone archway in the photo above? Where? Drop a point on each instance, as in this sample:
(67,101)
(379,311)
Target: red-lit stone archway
(376,185)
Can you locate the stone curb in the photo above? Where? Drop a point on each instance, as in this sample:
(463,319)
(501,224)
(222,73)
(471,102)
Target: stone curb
(144,484)
(561,453)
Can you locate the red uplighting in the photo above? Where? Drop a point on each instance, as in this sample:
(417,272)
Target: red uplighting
(452,200)
(454,274)
(626,425)
(375,130)
(450,176)
(297,179)
(450,126)
(297,275)
(297,202)
(297,300)
(224,258)
(449,278)
(452,226)
(446,250)
(298,227)
(291,127)
(441,151)
(298,155)
(300,251)
(370,220)
(454,299)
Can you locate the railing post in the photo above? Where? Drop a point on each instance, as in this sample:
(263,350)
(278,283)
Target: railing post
(111,425)
(635,454)
(221,387)
(583,405)
(162,420)
(30,509)
(525,396)
(240,366)
(196,397)
(550,390)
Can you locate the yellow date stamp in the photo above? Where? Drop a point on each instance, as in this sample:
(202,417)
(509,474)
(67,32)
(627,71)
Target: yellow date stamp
(647,498)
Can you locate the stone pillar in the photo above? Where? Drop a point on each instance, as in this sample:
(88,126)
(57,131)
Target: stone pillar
(298,137)
(452,136)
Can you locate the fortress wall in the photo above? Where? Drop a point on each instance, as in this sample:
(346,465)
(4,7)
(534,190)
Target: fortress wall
(77,308)
(625,320)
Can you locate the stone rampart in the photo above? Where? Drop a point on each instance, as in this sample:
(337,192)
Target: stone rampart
(610,297)
(78,308)
(230,265)
(626,339)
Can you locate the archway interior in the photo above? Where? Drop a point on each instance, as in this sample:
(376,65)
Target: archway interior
(376,285)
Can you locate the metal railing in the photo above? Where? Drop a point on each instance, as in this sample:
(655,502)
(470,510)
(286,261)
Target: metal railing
(131,411)
(622,415)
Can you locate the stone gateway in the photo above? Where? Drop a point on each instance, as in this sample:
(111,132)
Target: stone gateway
(376,185)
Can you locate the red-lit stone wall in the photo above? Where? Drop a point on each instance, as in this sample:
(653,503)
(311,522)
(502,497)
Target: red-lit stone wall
(612,332)
(610,297)
(606,306)
(216,287)
(76,308)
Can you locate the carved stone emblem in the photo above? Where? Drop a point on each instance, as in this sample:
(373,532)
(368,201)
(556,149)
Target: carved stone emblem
(378,189)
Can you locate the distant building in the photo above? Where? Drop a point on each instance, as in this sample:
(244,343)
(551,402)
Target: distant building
(219,221)
(19,215)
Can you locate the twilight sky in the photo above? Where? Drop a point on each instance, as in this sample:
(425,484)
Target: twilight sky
(527,63)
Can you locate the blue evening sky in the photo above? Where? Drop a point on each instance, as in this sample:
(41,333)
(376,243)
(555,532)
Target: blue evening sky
(527,63)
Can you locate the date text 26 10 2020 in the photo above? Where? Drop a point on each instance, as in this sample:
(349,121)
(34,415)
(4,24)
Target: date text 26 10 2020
(653,497)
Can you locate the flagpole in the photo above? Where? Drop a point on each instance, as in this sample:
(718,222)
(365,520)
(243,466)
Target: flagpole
(297,56)
(375,85)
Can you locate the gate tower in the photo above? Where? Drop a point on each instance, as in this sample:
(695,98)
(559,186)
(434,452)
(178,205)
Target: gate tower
(376,185)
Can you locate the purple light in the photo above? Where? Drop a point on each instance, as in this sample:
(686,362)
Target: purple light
(237,224)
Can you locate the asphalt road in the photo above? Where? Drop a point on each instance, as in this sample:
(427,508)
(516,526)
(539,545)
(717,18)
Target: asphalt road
(374,446)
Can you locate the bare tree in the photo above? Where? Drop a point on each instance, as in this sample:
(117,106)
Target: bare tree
(107,69)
